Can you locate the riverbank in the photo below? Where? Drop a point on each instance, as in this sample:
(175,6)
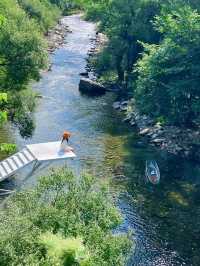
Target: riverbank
(184,142)
(56,36)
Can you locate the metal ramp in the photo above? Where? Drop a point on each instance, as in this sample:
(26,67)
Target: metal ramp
(40,152)
(15,162)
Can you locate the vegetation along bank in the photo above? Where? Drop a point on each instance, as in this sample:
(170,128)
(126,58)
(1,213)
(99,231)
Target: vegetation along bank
(23,53)
(152,55)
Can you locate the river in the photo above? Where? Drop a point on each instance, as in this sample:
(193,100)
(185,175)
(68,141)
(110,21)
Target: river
(165,218)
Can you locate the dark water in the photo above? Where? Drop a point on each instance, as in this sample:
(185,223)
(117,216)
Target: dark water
(165,218)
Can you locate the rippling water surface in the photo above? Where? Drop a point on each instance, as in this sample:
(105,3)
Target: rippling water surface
(165,218)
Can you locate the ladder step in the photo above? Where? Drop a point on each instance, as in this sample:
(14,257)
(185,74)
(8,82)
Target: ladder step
(12,164)
(6,167)
(28,155)
(17,161)
(22,158)
(2,171)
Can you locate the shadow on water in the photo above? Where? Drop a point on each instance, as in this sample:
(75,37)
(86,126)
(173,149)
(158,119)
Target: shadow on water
(165,218)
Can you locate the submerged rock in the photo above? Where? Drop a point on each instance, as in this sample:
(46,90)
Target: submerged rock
(175,140)
(123,107)
(133,122)
(127,119)
(124,103)
(158,141)
(91,87)
(145,131)
(116,105)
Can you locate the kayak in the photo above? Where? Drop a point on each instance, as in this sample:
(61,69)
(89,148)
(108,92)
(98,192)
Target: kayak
(152,172)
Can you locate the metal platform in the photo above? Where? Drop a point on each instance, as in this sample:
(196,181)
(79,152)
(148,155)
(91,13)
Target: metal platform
(49,151)
(36,152)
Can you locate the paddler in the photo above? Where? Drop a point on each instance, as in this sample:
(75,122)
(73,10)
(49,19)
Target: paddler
(153,176)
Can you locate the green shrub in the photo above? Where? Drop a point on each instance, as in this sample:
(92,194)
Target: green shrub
(7,148)
(22,48)
(42,11)
(74,216)
(67,251)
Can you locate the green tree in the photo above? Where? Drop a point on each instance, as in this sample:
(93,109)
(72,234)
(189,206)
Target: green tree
(124,23)
(22,50)
(5,147)
(3,113)
(43,12)
(168,73)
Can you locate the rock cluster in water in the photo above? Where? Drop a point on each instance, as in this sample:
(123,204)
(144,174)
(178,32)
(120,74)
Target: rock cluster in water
(185,142)
(89,86)
(88,82)
(55,37)
(89,77)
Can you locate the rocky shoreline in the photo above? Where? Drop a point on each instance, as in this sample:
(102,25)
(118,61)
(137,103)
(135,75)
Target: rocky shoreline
(175,140)
(89,79)
(55,37)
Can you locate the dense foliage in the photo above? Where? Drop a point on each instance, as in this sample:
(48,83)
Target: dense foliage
(63,221)
(42,11)
(152,51)
(3,113)
(22,51)
(169,72)
(5,148)
(124,22)
(23,54)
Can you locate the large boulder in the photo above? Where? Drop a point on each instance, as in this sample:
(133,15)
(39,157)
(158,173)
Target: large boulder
(116,105)
(91,87)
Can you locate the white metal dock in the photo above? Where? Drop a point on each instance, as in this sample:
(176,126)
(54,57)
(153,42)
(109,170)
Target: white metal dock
(35,152)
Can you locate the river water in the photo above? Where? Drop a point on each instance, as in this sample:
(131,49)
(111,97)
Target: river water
(165,218)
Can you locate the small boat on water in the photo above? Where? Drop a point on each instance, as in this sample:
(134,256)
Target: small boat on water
(152,172)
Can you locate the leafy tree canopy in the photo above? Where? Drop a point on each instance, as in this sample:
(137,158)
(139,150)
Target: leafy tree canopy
(168,81)
(65,220)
